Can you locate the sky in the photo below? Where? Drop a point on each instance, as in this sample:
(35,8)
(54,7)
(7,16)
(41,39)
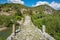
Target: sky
(32,3)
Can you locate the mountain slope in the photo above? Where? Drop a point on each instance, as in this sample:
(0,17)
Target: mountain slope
(40,15)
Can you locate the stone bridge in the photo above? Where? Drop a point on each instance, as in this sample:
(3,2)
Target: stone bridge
(28,31)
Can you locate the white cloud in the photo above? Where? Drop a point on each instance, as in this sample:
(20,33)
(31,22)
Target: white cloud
(16,1)
(55,5)
(40,3)
(52,4)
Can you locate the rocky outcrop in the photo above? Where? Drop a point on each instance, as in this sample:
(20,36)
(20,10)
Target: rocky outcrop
(47,10)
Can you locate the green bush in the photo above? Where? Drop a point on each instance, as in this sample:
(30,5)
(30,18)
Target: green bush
(52,23)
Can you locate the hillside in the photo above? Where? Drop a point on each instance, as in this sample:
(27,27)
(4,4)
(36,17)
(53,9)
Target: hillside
(40,15)
(11,8)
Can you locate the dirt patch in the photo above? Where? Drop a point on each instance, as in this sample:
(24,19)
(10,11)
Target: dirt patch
(3,28)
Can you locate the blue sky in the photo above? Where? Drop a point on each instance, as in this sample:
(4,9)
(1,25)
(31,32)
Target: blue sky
(53,3)
(31,2)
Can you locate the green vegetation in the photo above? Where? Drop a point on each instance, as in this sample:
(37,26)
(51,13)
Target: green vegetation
(7,21)
(39,18)
(52,23)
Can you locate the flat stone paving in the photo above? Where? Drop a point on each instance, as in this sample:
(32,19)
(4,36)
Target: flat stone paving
(29,31)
